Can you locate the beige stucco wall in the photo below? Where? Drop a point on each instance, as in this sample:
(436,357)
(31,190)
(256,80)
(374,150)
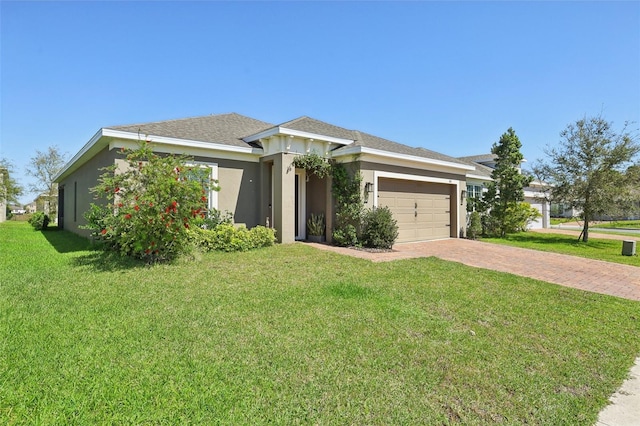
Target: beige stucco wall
(77,195)
(239,193)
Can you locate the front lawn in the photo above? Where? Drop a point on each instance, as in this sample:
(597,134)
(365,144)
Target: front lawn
(290,335)
(621,224)
(599,249)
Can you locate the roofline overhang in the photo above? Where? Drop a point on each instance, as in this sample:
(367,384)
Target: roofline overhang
(279,130)
(355,150)
(478,177)
(103,136)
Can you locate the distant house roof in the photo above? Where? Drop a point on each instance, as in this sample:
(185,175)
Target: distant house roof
(481,170)
(481,158)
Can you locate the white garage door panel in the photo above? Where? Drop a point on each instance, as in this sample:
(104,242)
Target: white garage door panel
(431,202)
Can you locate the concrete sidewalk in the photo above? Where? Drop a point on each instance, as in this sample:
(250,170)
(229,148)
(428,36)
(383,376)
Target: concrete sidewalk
(585,274)
(624,409)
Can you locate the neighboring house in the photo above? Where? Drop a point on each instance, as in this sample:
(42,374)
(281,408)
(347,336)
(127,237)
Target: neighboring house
(47,204)
(533,194)
(31,207)
(252,161)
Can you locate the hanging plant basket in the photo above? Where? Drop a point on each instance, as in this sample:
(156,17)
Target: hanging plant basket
(313,163)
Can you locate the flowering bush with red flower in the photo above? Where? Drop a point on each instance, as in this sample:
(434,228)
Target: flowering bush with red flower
(145,210)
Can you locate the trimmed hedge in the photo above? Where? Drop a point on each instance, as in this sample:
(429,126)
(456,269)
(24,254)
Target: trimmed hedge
(227,237)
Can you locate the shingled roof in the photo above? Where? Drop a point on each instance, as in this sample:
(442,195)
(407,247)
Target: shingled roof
(230,129)
(227,129)
(311,125)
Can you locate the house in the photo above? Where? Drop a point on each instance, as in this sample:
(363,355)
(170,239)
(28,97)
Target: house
(252,160)
(533,194)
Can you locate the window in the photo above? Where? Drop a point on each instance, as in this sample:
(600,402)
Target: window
(207,175)
(474,194)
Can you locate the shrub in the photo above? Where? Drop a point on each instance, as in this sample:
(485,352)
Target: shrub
(516,219)
(214,218)
(227,237)
(349,205)
(475,226)
(150,205)
(39,221)
(315,224)
(379,228)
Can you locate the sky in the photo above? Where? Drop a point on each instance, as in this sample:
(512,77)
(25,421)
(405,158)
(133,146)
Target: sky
(447,76)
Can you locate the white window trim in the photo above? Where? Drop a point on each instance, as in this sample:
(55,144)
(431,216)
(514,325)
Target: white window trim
(213,195)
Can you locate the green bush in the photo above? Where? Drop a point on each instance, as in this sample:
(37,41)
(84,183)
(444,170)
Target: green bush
(39,221)
(516,218)
(346,188)
(214,218)
(475,226)
(227,237)
(149,207)
(379,228)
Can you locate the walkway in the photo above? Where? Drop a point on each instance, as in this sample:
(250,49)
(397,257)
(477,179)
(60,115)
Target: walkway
(570,271)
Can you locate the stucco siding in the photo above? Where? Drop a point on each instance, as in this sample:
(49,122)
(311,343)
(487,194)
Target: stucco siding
(240,190)
(77,194)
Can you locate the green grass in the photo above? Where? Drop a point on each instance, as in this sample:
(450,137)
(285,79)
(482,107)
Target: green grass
(561,220)
(599,249)
(291,335)
(622,224)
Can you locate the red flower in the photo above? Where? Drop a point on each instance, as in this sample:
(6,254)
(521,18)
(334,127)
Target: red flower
(117,189)
(203,199)
(136,208)
(147,251)
(186,225)
(120,204)
(174,204)
(150,204)
(127,216)
(104,231)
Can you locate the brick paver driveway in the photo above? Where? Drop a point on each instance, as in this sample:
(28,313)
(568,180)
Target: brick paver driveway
(585,274)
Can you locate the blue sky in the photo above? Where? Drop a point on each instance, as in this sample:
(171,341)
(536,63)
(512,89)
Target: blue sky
(448,76)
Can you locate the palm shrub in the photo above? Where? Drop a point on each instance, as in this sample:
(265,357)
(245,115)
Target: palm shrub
(379,228)
(148,207)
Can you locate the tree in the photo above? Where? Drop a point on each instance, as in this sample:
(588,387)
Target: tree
(587,167)
(502,203)
(44,166)
(10,190)
(150,205)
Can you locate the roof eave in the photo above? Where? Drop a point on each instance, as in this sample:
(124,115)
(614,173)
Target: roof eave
(279,130)
(355,150)
(101,139)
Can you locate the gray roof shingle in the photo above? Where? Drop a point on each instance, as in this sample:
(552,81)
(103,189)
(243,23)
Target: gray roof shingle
(227,129)
(311,125)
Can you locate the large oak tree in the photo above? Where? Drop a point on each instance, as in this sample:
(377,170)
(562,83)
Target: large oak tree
(587,168)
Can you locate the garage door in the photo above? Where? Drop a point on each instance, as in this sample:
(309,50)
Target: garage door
(422,209)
